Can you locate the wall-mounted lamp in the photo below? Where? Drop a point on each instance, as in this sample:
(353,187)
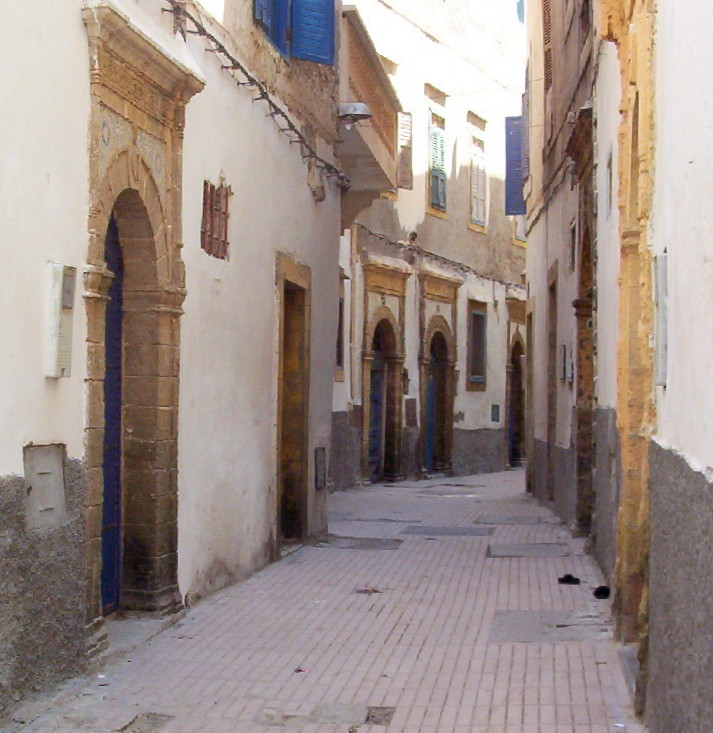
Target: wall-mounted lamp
(351,112)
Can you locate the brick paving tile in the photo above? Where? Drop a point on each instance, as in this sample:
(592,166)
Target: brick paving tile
(296,648)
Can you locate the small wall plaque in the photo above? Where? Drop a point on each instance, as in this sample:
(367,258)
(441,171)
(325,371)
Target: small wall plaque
(320,468)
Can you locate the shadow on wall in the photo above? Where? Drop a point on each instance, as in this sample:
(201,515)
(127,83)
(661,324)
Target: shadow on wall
(488,250)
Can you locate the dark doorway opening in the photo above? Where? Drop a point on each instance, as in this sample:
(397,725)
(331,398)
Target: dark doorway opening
(517,407)
(292,499)
(113,404)
(436,456)
(383,407)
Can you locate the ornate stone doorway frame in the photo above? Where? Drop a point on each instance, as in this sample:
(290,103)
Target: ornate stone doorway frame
(384,300)
(438,313)
(138,97)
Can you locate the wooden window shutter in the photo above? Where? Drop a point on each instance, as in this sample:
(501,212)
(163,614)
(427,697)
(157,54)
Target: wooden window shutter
(313,30)
(514,202)
(547,41)
(404,170)
(478,183)
(438,169)
(263,12)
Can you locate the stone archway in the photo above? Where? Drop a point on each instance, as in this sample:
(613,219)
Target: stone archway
(437,397)
(138,94)
(382,399)
(148,402)
(516,403)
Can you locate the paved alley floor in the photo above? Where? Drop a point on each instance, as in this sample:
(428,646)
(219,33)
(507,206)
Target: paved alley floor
(433,606)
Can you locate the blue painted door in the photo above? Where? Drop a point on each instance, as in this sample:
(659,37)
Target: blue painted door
(430,419)
(376,418)
(111,521)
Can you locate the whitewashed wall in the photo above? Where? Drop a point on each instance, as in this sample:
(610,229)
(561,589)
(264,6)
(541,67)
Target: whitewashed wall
(44,194)
(606,100)
(682,223)
(229,340)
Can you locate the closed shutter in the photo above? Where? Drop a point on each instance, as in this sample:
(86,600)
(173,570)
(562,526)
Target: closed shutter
(514,202)
(478,183)
(438,169)
(404,171)
(313,30)
(263,12)
(547,42)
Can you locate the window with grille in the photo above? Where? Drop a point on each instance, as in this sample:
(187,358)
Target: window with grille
(478,183)
(437,167)
(214,225)
(477,342)
(547,41)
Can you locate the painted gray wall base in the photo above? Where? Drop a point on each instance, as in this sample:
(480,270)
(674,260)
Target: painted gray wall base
(41,592)
(565,483)
(606,482)
(410,464)
(345,458)
(539,471)
(679,695)
(478,451)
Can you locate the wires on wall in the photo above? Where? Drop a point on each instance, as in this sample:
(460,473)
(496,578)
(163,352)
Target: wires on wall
(245,79)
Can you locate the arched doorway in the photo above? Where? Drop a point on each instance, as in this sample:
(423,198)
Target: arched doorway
(133,316)
(436,453)
(113,408)
(516,421)
(384,398)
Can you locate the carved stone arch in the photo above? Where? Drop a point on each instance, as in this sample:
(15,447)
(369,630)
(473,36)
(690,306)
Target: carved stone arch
(515,400)
(438,324)
(128,172)
(517,338)
(382,397)
(384,313)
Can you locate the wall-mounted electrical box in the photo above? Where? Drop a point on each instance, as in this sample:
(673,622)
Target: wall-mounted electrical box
(61,286)
(45,502)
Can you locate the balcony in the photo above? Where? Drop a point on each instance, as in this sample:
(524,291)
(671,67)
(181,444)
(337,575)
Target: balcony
(367,149)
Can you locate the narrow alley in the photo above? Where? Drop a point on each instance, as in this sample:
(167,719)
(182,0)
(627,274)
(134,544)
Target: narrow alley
(433,606)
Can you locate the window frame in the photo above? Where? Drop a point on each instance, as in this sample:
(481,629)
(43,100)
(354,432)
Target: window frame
(300,29)
(478,180)
(438,203)
(477,310)
(214,221)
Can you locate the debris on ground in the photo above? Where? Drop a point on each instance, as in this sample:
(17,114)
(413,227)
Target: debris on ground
(568,579)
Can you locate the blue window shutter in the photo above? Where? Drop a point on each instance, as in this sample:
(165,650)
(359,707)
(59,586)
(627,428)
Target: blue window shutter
(263,12)
(514,202)
(313,30)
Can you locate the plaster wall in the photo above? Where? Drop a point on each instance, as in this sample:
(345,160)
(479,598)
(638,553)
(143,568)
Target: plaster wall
(229,354)
(548,248)
(607,100)
(43,217)
(681,227)
(437,47)
(473,409)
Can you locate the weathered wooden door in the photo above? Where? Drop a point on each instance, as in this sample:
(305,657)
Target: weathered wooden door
(111,521)
(376,418)
(430,447)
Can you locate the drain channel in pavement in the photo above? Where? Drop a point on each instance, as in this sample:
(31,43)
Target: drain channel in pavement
(419,529)
(515,627)
(340,542)
(512,519)
(538,549)
(352,714)
(147,723)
